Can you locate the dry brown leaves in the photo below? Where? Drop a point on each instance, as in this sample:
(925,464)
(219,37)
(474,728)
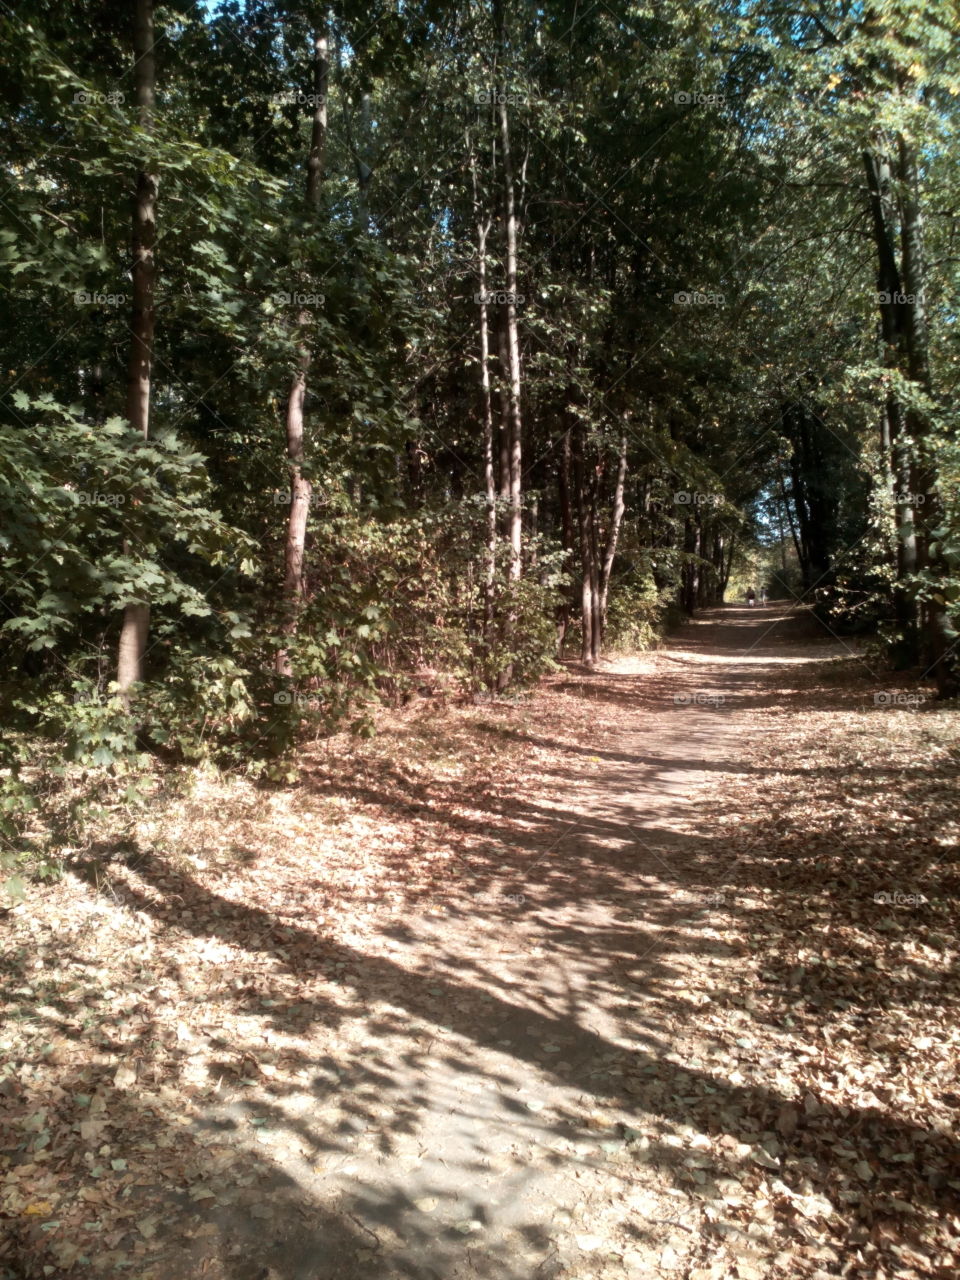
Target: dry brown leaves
(806,1111)
(844,891)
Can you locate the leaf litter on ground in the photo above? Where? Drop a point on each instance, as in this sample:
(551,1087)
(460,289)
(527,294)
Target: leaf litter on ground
(801,1116)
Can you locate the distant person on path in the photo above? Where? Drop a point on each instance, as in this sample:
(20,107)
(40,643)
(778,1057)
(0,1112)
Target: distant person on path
(763,595)
(751,597)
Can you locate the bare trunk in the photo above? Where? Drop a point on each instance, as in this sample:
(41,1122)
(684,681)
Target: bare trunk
(489,471)
(890,292)
(135,627)
(728,565)
(503,451)
(788,511)
(613,533)
(595,617)
(585,535)
(301,490)
(513,345)
(564,485)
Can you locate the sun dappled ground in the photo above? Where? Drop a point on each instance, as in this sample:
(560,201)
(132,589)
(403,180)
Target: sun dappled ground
(650,973)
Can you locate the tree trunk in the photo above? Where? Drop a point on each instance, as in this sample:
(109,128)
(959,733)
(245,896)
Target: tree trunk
(688,593)
(703,584)
(595,616)
(294,585)
(786,508)
(503,450)
(613,533)
(136,614)
(486,404)
(728,565)
(585,536)
(513,344)
(890,292)
(364,169)
(929,507)
(564,487)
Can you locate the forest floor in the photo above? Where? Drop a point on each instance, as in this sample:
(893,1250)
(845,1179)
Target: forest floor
(650,973)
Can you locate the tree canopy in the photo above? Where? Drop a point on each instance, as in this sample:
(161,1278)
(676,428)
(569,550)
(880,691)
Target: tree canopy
(445,340)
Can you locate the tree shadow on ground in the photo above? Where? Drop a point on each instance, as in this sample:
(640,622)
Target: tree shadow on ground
(614,903)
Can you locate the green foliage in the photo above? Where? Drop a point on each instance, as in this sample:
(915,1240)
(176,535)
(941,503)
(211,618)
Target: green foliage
(636,614)
(403,603)
(92,515)
(694,277)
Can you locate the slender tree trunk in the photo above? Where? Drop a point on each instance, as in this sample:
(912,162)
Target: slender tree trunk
(595,615)
(585,537)
(782,533)
(564,486)
(135,627)
(513,345)
(503,450)
(700,567)
(728,565)
(486,403)
(364,169)
(689,591)
(716,560)
(788,512)
(301,490)
(613,533)
(511,453)
(890,293)
(489,471)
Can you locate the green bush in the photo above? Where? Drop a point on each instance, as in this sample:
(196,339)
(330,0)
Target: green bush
(636,616)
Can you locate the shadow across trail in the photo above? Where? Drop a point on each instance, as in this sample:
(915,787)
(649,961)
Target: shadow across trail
(485,1081)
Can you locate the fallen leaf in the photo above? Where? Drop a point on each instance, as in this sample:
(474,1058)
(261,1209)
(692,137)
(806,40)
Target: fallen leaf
(125,1076)
(787,1120)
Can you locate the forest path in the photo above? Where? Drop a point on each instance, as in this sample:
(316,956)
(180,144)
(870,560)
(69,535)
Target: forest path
(648,973)
(503,1093)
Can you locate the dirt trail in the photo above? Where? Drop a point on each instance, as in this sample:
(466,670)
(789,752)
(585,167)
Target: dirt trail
(495,1106)
(651,973)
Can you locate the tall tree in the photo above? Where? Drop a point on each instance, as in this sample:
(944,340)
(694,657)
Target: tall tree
(135,626)
(512,340)
(301,489)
